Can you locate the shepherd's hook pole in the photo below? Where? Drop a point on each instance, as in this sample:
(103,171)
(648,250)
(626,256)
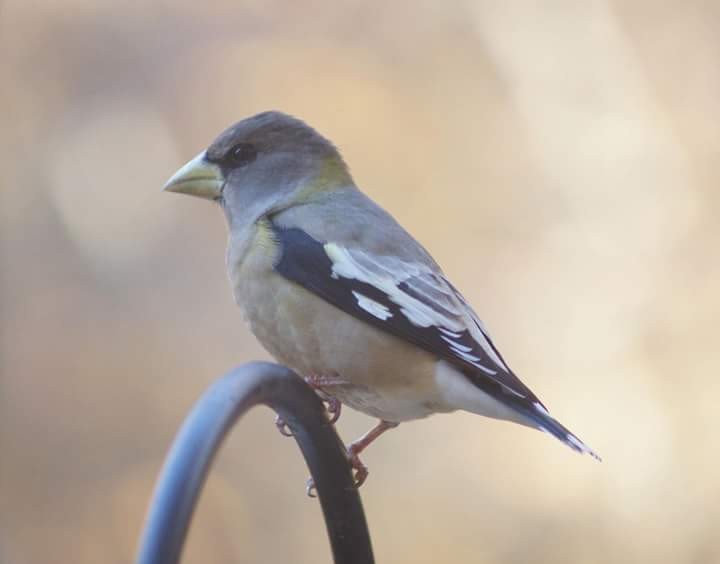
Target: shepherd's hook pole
(201,435)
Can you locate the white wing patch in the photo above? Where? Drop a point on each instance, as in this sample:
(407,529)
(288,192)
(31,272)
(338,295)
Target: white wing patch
(372,307)
(360,266)
(456,346)
(424,297)
(449,333)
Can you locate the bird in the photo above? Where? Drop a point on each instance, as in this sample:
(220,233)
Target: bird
(333,287)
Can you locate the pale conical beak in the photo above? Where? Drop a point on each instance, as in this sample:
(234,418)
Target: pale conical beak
(199,177)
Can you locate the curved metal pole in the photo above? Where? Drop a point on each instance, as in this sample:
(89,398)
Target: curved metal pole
(201,435)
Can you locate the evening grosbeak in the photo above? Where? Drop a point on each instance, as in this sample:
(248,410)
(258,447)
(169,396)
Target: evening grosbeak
(334,288)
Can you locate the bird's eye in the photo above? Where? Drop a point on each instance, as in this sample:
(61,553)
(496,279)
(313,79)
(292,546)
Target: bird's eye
(242,154)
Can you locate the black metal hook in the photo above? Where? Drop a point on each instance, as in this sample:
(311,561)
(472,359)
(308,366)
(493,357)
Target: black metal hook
(201,435)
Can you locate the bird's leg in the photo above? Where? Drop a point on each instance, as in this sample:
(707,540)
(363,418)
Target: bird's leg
(353,451)
(318,382)
(356,447)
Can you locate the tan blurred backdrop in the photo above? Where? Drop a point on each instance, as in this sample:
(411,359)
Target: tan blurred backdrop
(561,160)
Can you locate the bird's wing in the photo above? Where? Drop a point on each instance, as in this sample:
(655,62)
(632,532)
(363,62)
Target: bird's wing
(410,300)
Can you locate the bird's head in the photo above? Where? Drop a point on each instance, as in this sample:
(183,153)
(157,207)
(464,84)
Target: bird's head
(261,165)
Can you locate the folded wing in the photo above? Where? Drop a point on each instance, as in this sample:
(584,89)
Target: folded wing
(410,300)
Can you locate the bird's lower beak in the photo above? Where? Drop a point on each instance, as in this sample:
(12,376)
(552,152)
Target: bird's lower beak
(199,177)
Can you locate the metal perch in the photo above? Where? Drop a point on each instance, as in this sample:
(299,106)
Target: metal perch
(201,435)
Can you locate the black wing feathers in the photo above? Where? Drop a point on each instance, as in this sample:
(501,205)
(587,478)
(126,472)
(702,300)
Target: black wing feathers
(304,261)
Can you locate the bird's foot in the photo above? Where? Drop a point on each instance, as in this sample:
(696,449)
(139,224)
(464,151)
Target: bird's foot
(360,470)
(317,382)
(356,447)
(283,427)
(360,473)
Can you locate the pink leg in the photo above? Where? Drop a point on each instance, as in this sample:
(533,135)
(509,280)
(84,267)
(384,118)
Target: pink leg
(353,452)
(356,447)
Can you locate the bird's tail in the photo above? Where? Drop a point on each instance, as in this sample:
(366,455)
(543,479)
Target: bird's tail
(548,424)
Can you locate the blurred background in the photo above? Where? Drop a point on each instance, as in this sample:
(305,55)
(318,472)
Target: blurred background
(561,161)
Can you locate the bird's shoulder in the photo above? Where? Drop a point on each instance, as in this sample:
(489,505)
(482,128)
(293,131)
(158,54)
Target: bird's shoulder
(351,219)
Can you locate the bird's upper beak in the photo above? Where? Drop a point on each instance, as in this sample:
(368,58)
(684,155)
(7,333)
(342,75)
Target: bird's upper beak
(199,177)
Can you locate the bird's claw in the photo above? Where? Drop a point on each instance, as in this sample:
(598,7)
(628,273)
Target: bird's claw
(282,426)
(333,409)
(360,473)
(360,470)
(310,488)
(317,383)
